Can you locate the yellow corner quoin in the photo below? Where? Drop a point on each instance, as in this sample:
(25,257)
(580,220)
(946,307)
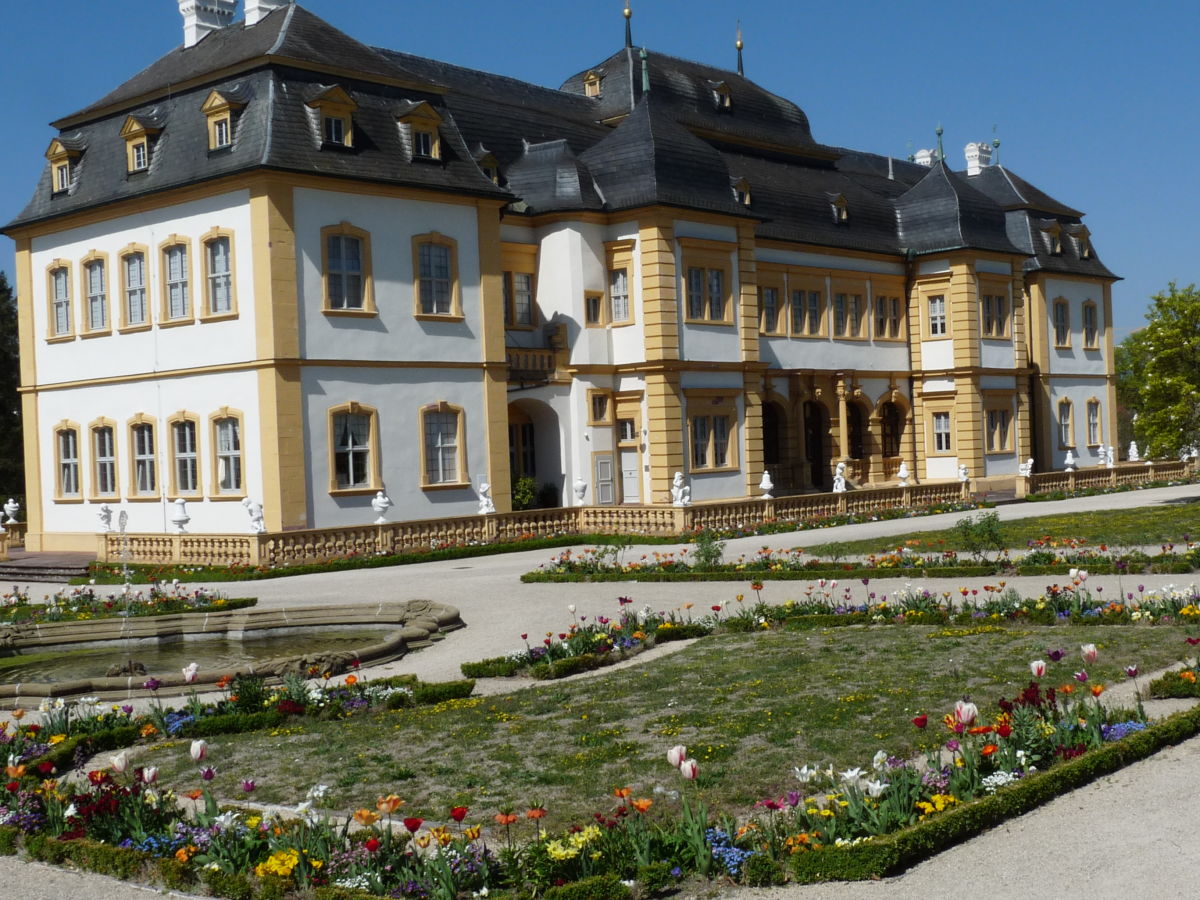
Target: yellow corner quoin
(315,279)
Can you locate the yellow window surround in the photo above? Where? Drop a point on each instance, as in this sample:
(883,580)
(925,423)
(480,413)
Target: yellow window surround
(185,459)
(220,286)
(712,434)
(342,295)
(518,263)
(432,443)
(221,111)
(707,281)
(334,108)
(68,473)
(139,134)
(105,470)
(223,459)
(618,260)
(420,125)
(145,479)
(437,294)
(353,451)
(63,159)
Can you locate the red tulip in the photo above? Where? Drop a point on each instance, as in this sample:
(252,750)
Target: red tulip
(921,721)
(458,813)
(372,844)
(413,824)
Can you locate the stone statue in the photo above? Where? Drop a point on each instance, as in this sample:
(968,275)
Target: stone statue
(105,517)
(1111,460)
(1134,456)
(179,515)
(839,479)
(1025,469)
(681,493)
(766,485)
(580,488)
(964,474)
(486,506)
(381,503)
(1069,462)
(255,511)
(1102,453)
(903,474)
(10,509)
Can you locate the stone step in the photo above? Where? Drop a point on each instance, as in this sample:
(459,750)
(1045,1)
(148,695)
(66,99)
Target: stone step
(46,573)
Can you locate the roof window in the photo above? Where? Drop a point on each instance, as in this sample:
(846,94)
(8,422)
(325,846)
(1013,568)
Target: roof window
(333,115)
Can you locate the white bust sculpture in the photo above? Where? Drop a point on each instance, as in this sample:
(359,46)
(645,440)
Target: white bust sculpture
(766,485)
(1069,462)
(105,517)
(255,511)
(11,508)
(903,474)
(486,506)
(839,479)
(580,488)
(381,503)
(964,474)
(1102,455)
(1025,469)
(179,515)
(1110,458)
(1134,456)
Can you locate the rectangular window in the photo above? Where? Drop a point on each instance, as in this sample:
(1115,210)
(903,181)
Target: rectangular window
(839,315)
(716,295)
(997,430)
(183,436)
(97,296)
(814,312)
(106,461)
(593,305)
(441,447)
(352,450)
(881,317)
(344,274)
(221,133)
(135,289)
(720,434)
(618,294)
(1066,433)
(141,158)
(695,292)
(68,463)
(937,316)
(229,456)
(769,299)
(1093,422)
(799,312)
(423,144)
(599,407)
(855,313)
(894,317)
(62,177)
(1091,333)
(712,441)
(941,432)
(435,279)
(1062,324)
(176,265)
(626,431)
(334,130)
(220,279)
(518,298)
(994,315)
(145,466)
(700,434)
(62,301)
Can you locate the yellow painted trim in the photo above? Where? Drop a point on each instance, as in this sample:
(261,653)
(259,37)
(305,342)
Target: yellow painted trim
(464,477)
(345,229)
(601,306)
(711,404)
(618,255)
(993,404)
(148,294)
(354,408)
(165,319)
(206,312)
(1065,403)
(214,467)
(1087,424)
(53,336)
(808,285)
(1060,343)
(141,420)
(493,356)
(67,427)
(183,417)
(441,240)
(707,260)
(26,342)
(94,492)
(597,395)
(1094,344)
(934,407)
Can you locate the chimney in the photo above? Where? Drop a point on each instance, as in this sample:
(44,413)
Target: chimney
(925,158)
(979,157)
(257,10)
(202,17)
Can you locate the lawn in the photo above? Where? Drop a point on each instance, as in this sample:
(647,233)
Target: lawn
(1144,526)
(748,706)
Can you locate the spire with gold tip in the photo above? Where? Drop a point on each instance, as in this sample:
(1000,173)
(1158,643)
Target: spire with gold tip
(738,43)
(628,25)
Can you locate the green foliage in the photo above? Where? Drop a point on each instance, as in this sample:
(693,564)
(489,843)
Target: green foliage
(979,534)
(1159,373)
(1173,684)
(524,492)
(333,892)
(654,877)
(428,694)
(709,550)
(572,665)
(496,667)
(600,887)
(684,632)
(8,839)
(762,870)
(250,692)
(174,874)
(228,885)
(12,454)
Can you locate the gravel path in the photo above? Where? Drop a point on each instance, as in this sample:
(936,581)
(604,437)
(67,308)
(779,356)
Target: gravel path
(1131,833)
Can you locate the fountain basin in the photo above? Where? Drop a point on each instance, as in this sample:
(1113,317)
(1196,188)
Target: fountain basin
(402,626)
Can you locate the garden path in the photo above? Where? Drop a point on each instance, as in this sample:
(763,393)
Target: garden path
(1125,833)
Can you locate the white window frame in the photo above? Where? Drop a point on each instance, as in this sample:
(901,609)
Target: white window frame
(219,272)
(441,446)
(96,279)
(437,288)
(68,462)
(357,455)
(106,460)
(942,437)
(228,450)
(135,288)
(937,315)
(178,299)
(184,436)
(343,274)
(60,279)
(145,460)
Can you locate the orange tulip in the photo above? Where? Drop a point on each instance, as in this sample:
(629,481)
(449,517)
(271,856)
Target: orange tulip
(622,792)
(366,817)
(389,804)
(641,804)
(351,679)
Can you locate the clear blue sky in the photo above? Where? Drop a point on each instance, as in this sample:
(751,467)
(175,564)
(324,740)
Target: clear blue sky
(1094,102)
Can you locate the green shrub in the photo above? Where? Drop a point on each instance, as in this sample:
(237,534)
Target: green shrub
(333,892)
(496,667)
(572,665)
(709,550)
(1173,684)
(684,632)
(105,859)
(233,723)
(654,877)
(600,887)
(250,692)
(229,885)
(8,840)
(439,692)
(524,492)
(174,874)
(761,870)
(44,848)
(273,887)
(979,534)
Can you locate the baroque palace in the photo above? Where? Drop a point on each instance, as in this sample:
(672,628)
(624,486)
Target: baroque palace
(282,266)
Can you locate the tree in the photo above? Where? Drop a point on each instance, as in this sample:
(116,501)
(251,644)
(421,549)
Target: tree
(1159,373)
(12,451)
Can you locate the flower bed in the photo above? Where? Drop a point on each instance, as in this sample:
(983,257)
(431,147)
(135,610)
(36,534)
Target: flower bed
(85,603)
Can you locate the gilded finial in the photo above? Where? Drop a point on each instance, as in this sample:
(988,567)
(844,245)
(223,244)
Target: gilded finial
(628,25)
(738,43)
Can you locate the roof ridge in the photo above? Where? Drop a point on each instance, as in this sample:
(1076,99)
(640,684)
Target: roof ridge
(1012,184)
(283,30)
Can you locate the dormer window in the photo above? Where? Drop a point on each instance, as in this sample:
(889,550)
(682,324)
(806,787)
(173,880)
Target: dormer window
(419,123)
(1083,240)
(333,109)
(591,84)
(221,108)
(491,168)
(1053,232)
(741,192)
(63,154)
(838,208)
(139,133)
(722,98)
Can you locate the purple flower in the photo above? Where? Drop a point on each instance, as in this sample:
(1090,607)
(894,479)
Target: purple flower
(1081,676)
(1056,655)
(793,799)
(248,785)
(152,684)
(952,745)
(208,773)
(127,709)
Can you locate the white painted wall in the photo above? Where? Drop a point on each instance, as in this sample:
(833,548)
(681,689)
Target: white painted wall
(1078,391)
(1076,359)
(201,395)
(1000,464)
(937,355)
(394,333)
(941,468)
(997,354)
(198,344)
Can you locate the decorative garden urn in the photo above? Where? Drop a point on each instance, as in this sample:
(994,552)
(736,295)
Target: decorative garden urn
(179,515)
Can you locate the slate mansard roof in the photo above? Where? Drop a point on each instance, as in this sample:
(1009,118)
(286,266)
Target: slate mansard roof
(678,144)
